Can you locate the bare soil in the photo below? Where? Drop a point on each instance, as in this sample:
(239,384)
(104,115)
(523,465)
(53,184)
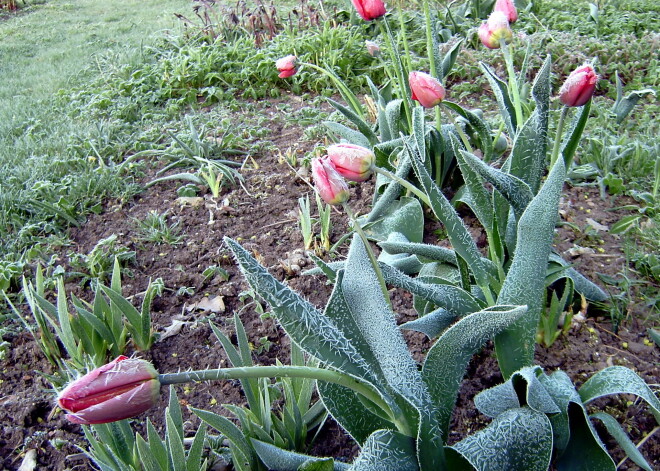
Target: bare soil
(262,215)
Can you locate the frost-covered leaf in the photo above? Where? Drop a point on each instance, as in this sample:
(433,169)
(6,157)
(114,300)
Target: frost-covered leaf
(518,439)
(447,360)
(622,439)
(574,133)
(283,460)
(479,197)
(392,192)
(431,324)
(525,281)
(501,91)
(405,262)
(305,325)
(619,380)
(361,124)
(348,134)
(584,286)
(404,215)
(387,450)
(478,124)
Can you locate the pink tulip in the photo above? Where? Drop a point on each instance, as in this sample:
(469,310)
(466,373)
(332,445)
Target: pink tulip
(369,9)
(579,87)
(495,29)
(121,389)
(286,66)
(354,163)
(427,90)
(330,185)
(372,48)
(508,8)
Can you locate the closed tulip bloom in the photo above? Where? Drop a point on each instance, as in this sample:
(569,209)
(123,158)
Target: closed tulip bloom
(372,48)
(495,29)
(427,90)
(579,87)
(354,163)
(330,185)
(369,9)
(286,66)
(508,8)
(121,389)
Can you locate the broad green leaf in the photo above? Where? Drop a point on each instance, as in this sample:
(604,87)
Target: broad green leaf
(450,58)
(392,191)
(427,251)
(326,464)
(525,281)
(404,215)
(431,324)
(623,106)
(478,124)
(587,288)
(447,360)
(622,439)
(574,133)
(501,91)
(526,161)
(518,439)
(350,135)
(350,411)
(305,325)
(387,450)
(283,460)
(625,223)
(479,198)
(395,117)
(405,262)
(619,380)
(362,125)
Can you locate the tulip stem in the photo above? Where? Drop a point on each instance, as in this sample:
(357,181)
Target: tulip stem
(404,183)
(370,253)
(404,88)
(560,131)
(320,374)
(459,130)
(513,83)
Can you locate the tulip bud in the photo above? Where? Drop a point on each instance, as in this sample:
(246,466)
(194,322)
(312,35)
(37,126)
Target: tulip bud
(427,90)
(121,389)
(369,9)
(495,29)
(331,186)
(354,163)
(286,66)
(508,8)
(372,48)
(579,87)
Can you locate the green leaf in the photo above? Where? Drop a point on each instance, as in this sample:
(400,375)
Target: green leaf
(387,450)
(305,325)
(347,133)
(450,58)
(501,91)
(404,215)
(393,191)
(194,459)
(146,457)
(518,439)
(393,111)
(587,288)
(479,198)
(405,262)
(157,447)
(654,335)
(478,124)
(447,360)
(283,460)
(625,223)
(432,324)
(624,106)
(574,133)
(525,281)
(426,251)
(326,464)
(619,380)
(175,444)
(622,439)
(361,124)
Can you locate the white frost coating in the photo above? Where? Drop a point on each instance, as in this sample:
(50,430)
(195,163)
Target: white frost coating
(375,320)
(384,451)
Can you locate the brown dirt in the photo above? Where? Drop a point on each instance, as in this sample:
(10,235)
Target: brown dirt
(262,215)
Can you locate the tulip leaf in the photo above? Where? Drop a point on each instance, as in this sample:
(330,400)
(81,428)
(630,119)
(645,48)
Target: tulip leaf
(174,443)
(350,135)
(585,287)
(393,111)
(450,58)
(305,325)
(501,91)
(447,360)
(135,322)
(619,380)
(431,324)
(401,261)
(404,215)
(387,450)
(283,460)
(361,124)
(574,133)
(622,439)
(525,280)
(478,125)
(479,198)
(427,251)
(194,458)
(518,439)
(157,447)
(350,411)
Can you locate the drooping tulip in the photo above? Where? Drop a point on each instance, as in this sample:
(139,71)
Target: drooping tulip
(369,9)
(353,162)
(332,188)
(118,390)
(426,89)
(495,29)
(579,87)
(286,66)
(508,8)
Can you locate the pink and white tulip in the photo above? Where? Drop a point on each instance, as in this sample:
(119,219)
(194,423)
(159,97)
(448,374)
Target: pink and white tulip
(426,89)
(353,162)
(332,188)
(287,66)
(494,30)
(369,9)
(579,87)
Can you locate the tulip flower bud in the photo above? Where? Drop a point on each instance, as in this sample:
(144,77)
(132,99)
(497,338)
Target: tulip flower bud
(495,29)
(372,48)
(121,389)
(579,87)
(354,163)
(508,8)
(369,9)
(427,90)
(331,186)
(286,66)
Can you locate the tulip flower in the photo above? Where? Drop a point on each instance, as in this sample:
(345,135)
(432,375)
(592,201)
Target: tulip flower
(286,66)
(427,90)
(121,389)
(354,163)
(372,48)
(494,30)
(508,8)
(369,9)
(579,87)
(330,185)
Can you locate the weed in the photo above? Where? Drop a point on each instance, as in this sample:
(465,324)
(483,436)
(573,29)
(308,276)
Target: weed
(154,228)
